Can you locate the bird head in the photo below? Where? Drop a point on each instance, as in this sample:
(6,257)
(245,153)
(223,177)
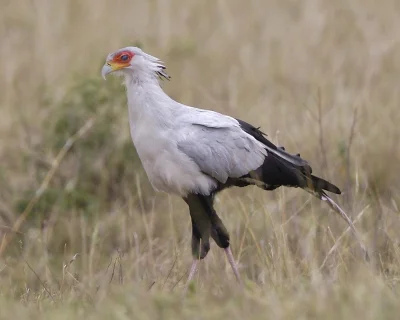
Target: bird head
(132,61)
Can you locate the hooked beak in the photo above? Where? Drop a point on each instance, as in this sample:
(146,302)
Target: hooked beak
(111,67)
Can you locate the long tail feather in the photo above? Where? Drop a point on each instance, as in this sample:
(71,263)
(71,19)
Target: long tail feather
(284,169)
(335,207)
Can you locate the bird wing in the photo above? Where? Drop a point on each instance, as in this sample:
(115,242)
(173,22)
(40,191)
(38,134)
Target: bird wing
(214,119)
(207,118)
(218,145)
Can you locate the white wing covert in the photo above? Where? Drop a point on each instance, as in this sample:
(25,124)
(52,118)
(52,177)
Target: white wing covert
(219,146)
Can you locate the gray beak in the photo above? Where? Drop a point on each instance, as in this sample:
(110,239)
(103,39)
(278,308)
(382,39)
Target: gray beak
(106,70)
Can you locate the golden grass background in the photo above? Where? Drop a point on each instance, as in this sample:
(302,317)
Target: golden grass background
(320,77)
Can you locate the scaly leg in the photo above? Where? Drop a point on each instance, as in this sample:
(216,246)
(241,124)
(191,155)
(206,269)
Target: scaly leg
(233,264)
(192,272)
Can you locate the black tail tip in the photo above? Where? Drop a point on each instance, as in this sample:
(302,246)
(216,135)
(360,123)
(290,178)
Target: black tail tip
(321,184)
(334,189)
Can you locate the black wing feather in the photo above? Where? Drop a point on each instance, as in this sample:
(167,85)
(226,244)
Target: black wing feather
(281,168)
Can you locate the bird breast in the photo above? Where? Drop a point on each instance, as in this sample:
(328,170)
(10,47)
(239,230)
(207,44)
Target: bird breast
(167,168)
(155,134)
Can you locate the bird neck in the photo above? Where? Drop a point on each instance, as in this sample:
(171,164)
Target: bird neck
(147,102)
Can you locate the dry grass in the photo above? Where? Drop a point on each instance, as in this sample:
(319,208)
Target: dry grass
(319,76)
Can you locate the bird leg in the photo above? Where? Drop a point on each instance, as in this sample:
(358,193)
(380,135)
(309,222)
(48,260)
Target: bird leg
(221,238)
(206,224)
(233,264)
(199,251)
(220,235)
(201,233)
(192,272)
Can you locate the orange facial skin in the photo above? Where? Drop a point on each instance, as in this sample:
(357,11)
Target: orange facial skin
(121,60)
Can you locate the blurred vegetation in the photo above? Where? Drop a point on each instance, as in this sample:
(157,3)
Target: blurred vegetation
(95,174)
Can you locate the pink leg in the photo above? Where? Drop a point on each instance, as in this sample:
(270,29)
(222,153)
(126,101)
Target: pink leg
(233,264)
(192,272)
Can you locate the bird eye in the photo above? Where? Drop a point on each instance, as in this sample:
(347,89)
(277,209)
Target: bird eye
(124,57)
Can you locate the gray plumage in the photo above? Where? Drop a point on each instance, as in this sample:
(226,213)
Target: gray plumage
(195,153)
(221,151)
(183,149)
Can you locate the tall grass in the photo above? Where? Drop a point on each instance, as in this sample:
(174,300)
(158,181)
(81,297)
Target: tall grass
(320,77)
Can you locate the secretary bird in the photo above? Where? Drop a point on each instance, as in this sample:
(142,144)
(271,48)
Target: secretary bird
(196,153)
